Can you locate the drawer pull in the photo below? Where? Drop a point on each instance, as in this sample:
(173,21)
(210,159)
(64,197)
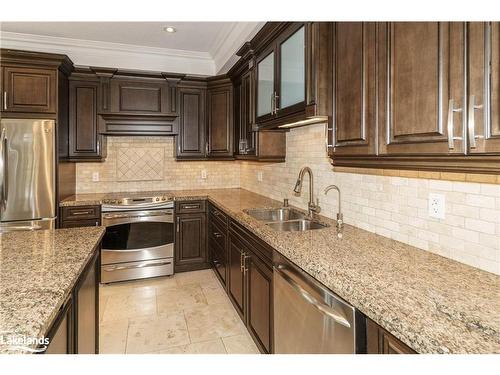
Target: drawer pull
(191,206)
(77,213)
(217,235)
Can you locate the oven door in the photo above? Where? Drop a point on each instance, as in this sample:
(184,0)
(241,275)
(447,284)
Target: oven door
(137,236)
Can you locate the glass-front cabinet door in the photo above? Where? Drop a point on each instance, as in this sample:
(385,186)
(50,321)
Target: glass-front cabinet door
(265,86)
(292,70)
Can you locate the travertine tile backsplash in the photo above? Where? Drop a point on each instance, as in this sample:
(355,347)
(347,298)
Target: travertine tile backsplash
(394,207)
(148,163)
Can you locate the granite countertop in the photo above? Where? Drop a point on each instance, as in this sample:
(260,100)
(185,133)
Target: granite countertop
(431,303)
(37,273)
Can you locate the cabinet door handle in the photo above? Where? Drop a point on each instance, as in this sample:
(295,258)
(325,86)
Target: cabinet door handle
(207,148)
(451,125)
(177,226)
(276,108)
(471,123)
(97,223)
(217,235)
(242,260)
(272,103)
(5,100)
(245,268)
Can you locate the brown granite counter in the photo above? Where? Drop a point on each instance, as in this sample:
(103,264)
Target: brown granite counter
(37,273)
(431,303)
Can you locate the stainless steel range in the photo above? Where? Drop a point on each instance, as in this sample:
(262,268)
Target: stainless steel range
(139,239)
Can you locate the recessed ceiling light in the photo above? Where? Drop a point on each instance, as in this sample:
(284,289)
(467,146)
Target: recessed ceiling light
(169,29)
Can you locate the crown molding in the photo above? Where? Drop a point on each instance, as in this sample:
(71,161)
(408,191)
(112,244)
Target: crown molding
(125,56)
(229,41)
(221,55)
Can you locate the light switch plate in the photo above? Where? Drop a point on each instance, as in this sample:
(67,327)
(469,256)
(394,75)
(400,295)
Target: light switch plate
(260,176)
(436,205)
(95,176)
(203,174)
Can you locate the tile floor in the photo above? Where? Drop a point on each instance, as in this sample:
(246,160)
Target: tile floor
(186,313)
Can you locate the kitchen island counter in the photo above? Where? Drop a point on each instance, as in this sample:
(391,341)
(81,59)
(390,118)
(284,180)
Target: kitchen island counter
(38,270)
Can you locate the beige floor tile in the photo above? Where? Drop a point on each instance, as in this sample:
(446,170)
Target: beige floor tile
(134,304)
(216,296)
(179,297)
(154,333)
(145,285)
(206,278)
(206,347)
(113,337)
(240,344)
(212,322)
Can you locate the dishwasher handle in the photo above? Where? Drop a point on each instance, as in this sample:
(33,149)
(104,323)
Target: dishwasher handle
(337,316)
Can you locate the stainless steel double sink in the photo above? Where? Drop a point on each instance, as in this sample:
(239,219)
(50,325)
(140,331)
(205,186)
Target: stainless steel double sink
(285,219)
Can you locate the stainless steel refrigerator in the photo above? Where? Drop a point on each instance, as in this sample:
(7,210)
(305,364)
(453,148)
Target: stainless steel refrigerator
(27,174)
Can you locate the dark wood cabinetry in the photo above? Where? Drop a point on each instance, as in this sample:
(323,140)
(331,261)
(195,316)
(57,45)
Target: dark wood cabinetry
(29,90)
(251,144)
(190,238)
(86,309)
(218,242)
(292,74)
(139,97)
(250,285)
(75,329)
(190,143)
(483,128)
(220,118)
(60,334)
(379,341)
(436,101)
(85,141)
(421,74)
(354,88)
(80,216)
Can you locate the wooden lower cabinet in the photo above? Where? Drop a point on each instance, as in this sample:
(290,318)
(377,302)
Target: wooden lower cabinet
(379,341)
(60,335)
(75,330)
(260,300)
(86,310)
(190,242)
(250,285)
(236,277)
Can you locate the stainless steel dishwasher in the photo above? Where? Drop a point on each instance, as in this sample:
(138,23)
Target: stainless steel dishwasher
(310,319)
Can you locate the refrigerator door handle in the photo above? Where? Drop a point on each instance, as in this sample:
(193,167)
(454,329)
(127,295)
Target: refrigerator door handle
(5,171)
(2,171)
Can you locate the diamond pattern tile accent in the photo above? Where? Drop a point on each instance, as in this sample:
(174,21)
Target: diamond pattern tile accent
(140,164)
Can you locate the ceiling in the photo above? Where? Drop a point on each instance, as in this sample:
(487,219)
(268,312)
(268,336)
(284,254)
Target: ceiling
(190,36)
(86,43)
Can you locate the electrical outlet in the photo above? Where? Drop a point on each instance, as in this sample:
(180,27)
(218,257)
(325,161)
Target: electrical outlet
(95,176)
(260,177)
(203,174)
(436,205)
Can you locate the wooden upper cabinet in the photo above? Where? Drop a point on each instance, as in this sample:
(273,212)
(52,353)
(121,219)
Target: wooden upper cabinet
(244,114)
(139,97)
(421,88)
(30,90)
(220,119)
(483,87)
(354,88)
(85,142)
(190,143)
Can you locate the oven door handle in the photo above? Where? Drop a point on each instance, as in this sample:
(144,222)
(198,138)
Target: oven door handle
(135,215)
(110,220)
(142,265)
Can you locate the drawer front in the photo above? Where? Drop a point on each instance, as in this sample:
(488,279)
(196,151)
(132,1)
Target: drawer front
(81,223)
(218,215)
(81,213)
(188,207)
(217,234)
